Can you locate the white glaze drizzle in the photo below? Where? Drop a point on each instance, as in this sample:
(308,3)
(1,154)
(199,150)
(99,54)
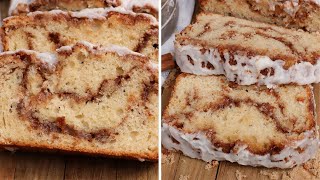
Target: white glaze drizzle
(247,70)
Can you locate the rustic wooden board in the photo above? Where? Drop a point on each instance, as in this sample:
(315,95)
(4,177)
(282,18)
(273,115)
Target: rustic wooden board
(45,166)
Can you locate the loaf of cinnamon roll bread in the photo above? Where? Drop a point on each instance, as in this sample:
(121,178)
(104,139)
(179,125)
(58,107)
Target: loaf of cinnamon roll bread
(83,99)
(47,31)
(210,118)
(248,52)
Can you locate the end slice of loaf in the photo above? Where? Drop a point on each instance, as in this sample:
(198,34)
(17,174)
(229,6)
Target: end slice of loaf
(302,14)
(84,99)
(47,31)
(248,52)
(210,118)
(26,6)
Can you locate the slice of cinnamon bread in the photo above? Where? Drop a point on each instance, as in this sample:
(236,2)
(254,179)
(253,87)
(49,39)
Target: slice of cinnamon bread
(84,99)
(303,14)
(248,52)
(47,31)
(25,6)
(210,118)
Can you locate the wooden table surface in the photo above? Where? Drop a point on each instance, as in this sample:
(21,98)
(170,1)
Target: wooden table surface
(50,166)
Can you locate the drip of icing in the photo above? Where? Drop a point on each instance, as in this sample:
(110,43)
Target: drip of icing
(48,58)
(130,4)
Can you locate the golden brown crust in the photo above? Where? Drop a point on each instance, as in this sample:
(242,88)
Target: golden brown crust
(123,155)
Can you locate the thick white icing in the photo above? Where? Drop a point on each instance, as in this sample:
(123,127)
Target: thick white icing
(126,4)
(198,146)
(247,70)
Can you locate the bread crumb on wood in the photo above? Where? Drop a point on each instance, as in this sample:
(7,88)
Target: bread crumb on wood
(184,177)
(308,171)
(239,175)
(271,175)
(168,159)
(313,166)
(211,165)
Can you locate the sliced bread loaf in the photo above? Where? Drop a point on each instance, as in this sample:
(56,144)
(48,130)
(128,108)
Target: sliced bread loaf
(248,52)
(210,118)
(47,31)
(84,99)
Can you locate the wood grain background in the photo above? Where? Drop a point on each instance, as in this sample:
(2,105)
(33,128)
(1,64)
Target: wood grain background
(45,166)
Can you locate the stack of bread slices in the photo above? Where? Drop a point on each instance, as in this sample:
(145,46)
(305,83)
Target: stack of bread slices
(245,93)
(82,81)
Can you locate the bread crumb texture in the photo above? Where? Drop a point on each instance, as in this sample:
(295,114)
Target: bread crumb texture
(96,103)
(240,175)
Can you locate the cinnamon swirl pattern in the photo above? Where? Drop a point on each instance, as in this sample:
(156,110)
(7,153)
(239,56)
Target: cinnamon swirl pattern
(210,118)
(85,99)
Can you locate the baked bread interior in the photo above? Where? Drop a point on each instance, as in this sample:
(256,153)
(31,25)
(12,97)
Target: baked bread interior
(210,118)
(84,99)
(47,31)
